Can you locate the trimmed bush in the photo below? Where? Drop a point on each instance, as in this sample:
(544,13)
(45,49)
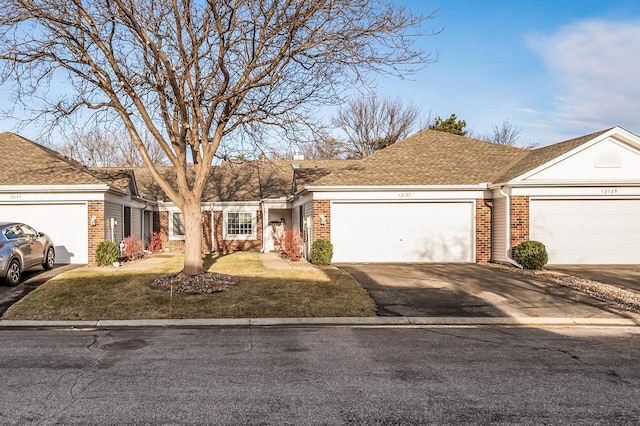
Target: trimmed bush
(106,253)
(321,252)
(531,255)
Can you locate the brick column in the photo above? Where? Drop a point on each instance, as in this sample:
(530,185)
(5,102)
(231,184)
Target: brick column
(320,231)
(519,220)
(483,230)
(96,233)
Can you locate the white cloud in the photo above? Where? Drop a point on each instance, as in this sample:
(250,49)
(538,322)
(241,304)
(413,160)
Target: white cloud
(595,68)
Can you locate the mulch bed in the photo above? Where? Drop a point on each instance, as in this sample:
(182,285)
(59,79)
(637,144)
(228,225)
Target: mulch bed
(207,283)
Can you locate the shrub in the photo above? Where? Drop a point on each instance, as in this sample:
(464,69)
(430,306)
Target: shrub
(292,244)
(106,253)
(531,255)
(321,252)
(155,245)
(132,246)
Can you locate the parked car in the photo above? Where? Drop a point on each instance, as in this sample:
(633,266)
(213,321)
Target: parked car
(22,247)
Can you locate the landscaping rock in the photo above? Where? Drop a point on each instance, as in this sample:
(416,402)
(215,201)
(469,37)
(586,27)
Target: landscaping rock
(207,283)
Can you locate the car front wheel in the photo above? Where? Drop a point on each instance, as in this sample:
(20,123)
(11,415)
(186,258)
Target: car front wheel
(49,259)
(13,273)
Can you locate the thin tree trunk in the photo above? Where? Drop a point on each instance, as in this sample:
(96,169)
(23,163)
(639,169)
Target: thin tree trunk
(193,238)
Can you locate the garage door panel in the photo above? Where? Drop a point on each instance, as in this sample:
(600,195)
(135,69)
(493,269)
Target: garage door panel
(65,223)
(401,232)
(588,231)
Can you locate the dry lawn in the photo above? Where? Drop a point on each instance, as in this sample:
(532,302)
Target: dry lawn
(106,293)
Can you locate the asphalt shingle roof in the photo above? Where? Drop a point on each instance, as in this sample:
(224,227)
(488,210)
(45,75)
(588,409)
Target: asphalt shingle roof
(429,157)
(28,163)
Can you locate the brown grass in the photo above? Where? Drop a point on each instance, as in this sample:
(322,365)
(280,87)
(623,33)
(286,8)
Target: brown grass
(93,294)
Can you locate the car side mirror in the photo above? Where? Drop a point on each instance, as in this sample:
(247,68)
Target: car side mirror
(40,234)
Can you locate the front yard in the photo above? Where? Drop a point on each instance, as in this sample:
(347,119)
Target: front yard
(107,293)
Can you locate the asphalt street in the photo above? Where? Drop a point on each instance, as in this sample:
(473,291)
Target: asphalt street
(321,375)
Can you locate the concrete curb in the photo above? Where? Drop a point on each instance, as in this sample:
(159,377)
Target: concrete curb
(330,322)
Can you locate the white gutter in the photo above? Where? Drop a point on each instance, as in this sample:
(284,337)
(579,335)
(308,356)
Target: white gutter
(508,237)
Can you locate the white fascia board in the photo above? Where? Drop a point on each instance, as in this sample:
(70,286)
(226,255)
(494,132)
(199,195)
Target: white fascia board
(592,191)
(565,183)
(55,188)
(616,133)
(276,203)
(395,188)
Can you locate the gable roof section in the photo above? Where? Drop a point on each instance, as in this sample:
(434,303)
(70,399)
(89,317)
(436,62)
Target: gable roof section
(27,163)
(540,156)
(429,157)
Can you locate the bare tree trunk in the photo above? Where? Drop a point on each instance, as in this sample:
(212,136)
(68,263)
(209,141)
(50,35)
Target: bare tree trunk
(193,238)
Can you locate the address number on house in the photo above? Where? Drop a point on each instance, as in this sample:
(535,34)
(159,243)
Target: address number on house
(609,191)
(404,195)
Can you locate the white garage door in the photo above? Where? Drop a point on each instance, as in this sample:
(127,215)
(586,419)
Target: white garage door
(587,231)
(66,224)
(402,232)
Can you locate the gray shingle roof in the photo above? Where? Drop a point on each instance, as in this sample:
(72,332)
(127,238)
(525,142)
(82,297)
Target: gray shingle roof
(27,163)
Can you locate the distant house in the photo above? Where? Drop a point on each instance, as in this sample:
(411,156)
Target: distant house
(433,197)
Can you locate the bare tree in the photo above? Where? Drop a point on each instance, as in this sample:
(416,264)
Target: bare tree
(197,75)
(324,147)
(369,123)
(104,148)
(505,134)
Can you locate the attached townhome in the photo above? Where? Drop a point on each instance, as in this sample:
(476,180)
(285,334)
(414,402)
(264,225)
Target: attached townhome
(432,197)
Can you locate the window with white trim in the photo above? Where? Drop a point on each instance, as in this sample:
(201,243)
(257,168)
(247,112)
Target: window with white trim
(176,225)
(239,225)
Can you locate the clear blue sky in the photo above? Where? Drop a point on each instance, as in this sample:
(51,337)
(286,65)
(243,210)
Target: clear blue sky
(557,69)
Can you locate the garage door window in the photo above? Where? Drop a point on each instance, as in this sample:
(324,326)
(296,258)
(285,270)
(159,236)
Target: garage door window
(240,225)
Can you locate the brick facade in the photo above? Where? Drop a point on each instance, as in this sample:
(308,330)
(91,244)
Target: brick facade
(228,246)
(96,233)
(519,220)
(320,231)
(483,230)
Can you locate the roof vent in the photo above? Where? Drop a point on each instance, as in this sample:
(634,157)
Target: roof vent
(608,159)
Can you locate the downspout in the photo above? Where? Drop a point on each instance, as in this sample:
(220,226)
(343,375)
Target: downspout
(508,238)
(264,220)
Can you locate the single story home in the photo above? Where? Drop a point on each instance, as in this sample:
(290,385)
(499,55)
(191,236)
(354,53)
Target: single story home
(432,197)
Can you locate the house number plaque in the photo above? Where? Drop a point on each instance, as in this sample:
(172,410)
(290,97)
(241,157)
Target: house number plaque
(609,191)
(404,195)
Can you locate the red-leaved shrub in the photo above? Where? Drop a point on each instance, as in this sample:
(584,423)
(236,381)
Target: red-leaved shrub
(292,244)
(132,246)
(155,245)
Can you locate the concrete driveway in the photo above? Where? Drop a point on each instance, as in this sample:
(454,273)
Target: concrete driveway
(470,290)
(623,276)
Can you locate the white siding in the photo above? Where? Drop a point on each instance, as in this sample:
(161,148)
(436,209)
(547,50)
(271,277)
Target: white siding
(499,229)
